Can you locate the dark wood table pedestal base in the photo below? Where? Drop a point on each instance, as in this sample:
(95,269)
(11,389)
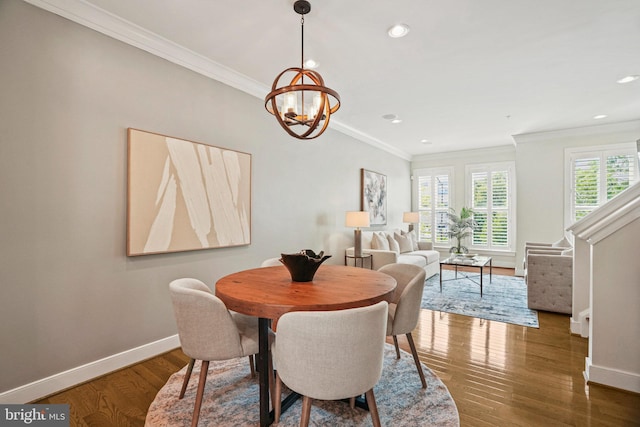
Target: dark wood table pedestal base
(266,418)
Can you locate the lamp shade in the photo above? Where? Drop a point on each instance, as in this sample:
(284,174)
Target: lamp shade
(357,219)
(411,217)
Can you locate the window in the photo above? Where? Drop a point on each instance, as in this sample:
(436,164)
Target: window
(596,175)
(490,195)
(433,199)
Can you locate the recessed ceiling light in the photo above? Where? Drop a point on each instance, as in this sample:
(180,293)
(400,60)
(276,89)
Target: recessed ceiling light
(426,141)
(600,116)
(393,117)
(629,79)
(310,63)
(398,30)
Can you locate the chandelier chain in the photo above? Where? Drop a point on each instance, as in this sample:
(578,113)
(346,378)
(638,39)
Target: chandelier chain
(302,59)
(301,41)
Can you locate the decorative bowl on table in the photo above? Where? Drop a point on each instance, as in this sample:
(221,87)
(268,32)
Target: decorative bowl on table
(303,265)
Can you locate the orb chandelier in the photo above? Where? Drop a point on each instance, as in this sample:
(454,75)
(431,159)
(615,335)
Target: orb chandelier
(303,107)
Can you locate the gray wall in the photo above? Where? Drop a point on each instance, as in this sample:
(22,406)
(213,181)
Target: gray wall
(70,296)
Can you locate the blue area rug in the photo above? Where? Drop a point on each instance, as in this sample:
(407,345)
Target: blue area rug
(231,399)
(503,300)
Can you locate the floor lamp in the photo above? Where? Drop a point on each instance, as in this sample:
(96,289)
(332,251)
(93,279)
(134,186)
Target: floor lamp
(357,219)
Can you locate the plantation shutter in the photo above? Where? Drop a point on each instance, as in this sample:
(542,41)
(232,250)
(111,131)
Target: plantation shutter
(491,199)
(499,209)
(587,186)
(479,205)
(433,195)
(425,207)
(442,206)
(598,177)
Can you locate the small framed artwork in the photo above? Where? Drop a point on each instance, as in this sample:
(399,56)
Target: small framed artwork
(184,195)
(374,196)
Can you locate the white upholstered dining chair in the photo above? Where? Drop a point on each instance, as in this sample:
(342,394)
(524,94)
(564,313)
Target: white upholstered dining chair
(271,262)
(208,331)
(404,308)
(330,355)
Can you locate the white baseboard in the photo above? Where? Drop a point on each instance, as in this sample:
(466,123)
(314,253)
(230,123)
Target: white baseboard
(623,380)
(581,325)
(46,386)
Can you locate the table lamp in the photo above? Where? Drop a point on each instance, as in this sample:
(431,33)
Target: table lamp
(357,219)
(411,218)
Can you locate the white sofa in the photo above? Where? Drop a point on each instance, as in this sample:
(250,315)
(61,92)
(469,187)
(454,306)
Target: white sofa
(420,253)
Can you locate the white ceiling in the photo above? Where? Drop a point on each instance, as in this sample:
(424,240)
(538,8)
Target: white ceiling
(470,74)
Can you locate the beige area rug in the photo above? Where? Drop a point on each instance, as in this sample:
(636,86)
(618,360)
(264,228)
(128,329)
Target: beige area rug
(231,399)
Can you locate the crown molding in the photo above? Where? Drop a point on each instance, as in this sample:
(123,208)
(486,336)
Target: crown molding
(446,155)
(102,21)
(361,136)
(91,16)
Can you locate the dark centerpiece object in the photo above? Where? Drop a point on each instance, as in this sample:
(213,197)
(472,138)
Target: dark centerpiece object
(303,265)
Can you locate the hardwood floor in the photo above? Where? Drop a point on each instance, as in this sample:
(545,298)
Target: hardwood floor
(121,398)
(498,374)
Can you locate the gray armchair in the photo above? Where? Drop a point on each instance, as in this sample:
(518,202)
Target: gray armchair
(559,246)
(549,278)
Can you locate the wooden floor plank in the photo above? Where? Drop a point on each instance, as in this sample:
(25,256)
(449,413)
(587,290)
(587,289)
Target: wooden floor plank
(498,374)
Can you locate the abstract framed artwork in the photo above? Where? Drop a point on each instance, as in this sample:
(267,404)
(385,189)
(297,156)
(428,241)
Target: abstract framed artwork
(184,195)
(374,196)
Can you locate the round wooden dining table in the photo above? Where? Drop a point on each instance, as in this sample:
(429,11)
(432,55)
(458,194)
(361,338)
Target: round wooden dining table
(269,292)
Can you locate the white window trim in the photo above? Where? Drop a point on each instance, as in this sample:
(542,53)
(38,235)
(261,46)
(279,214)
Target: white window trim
(510,167)
(571,154)
(444,170)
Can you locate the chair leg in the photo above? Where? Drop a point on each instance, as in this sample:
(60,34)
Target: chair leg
(252,366)
(306,411)
(272,385)
(373,408)
(201,383)
(395,342)
(277,396)
(415,359)
(352,402)
(185,383)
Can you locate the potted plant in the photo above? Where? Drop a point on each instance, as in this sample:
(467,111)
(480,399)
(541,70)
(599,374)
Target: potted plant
(460,227)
